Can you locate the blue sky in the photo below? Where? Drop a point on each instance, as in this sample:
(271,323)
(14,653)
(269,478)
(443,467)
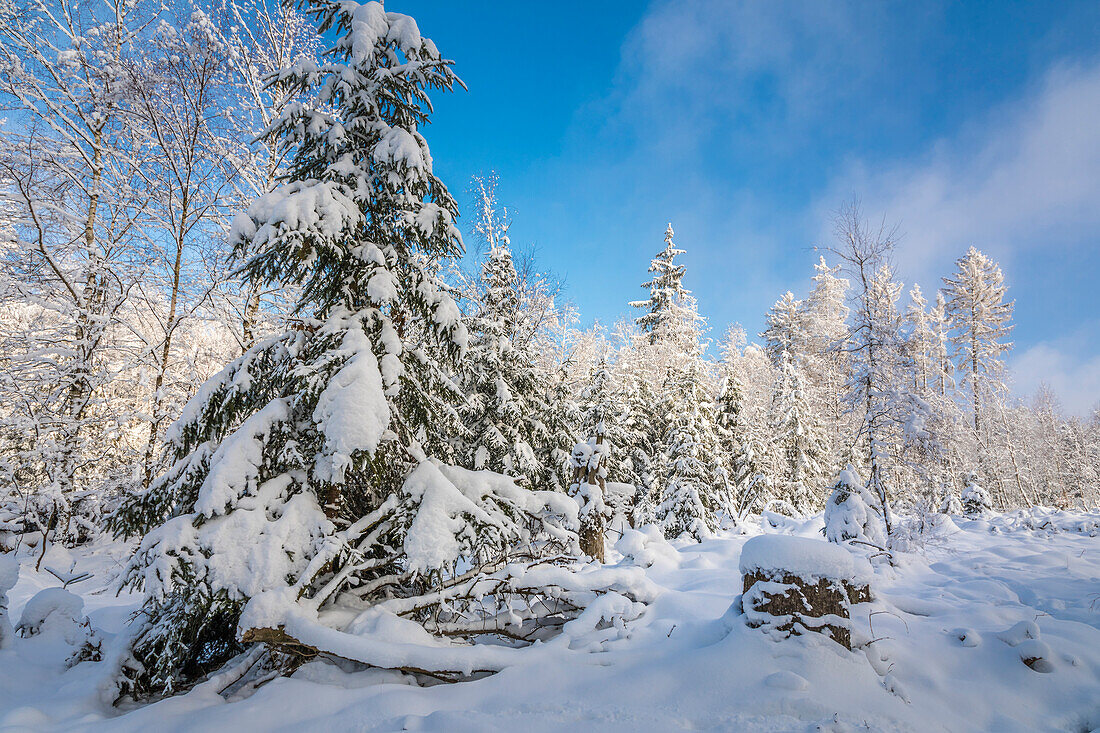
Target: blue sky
(747,124)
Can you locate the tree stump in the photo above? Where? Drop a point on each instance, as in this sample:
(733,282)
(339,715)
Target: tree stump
(793,584)
(589,484)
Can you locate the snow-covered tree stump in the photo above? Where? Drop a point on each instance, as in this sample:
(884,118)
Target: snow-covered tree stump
(794,584)
(589,462)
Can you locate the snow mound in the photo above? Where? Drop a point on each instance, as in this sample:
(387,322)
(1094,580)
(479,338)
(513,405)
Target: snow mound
(1051,521)
(773,554)
(646,547)
(785,680)
(49,608)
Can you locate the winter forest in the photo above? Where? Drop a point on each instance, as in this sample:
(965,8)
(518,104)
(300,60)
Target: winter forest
(290,441)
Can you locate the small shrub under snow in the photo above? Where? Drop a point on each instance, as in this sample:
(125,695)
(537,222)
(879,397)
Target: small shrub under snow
(849,514)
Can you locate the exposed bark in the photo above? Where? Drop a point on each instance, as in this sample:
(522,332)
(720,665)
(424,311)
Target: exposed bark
(798,605)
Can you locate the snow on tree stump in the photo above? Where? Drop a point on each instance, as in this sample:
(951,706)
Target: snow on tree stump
(795,584)
(589,462)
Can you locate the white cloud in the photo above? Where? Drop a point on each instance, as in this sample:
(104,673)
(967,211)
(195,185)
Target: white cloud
(1075,379)
(1025,177)
(752,73)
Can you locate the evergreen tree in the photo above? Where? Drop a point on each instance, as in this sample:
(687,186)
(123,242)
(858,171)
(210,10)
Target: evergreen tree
(798,444)
(670,342)
(949,500)
(737,461)
(975,500)
(589,488)
(786,331)
(850,513)
(641,446)
(506,411)
(563,418)
(604,413)
(670,314)
(741,438)
(277,459)
(688,496)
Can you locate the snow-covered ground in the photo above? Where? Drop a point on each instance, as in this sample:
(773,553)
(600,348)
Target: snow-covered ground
(952,621)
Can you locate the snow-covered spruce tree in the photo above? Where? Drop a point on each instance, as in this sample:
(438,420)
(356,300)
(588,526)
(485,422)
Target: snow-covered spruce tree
(506,410)
(689,499)
(797,440)
(669,342)
(604,412)
(301,476)
(641,444)
(975,500)
(786,331)
(316,427)
(741,420)
(949,500)
(562,427)
(850,513)
(732,446)
(670,317)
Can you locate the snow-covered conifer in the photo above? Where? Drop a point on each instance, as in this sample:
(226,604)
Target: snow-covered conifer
(975,500)
(798,444)
(949,500)
(506,411)
(562,427)
(786,331)
(670,316)
(642,442)
(741,419)
(293,460)
(689,500)
(850,513)
(729,442)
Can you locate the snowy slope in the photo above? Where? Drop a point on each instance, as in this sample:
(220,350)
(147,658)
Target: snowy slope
(951,624)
